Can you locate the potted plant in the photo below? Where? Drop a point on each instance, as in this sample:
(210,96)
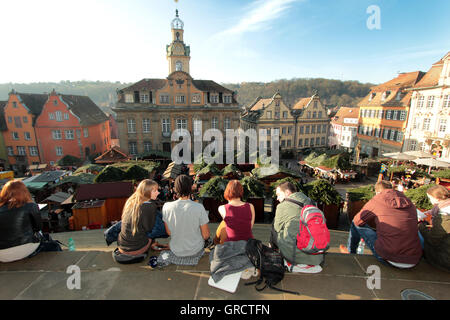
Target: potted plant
(254,191)
(212,194)
(231,172)
(327,198)
(208,172)
(357,198)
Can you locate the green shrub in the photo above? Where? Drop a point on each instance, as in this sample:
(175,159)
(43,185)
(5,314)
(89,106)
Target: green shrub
(210,168)
(69,160)
(231,168)
(419,197)
(444,174)
(362,193)
(214,188)
(136,173)
(110,174)
(323,192)
(253,188)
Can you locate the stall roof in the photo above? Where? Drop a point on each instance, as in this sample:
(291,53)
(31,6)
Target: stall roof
(323,168)
(35,185)
(58,197)
(106,190)
(173,170)
(88,204)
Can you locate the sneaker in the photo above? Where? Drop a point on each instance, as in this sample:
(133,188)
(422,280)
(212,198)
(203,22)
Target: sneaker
(303,268)
(343,249)
(248,273)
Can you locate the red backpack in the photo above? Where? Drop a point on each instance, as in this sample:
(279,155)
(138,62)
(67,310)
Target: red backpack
(313,236)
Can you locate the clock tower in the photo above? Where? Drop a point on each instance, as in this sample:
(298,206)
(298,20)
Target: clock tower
(178,53)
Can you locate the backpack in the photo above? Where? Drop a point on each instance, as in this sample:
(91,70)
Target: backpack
(269,262)
(313,236)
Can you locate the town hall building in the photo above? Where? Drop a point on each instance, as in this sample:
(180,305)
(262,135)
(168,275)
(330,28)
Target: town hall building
(151,109)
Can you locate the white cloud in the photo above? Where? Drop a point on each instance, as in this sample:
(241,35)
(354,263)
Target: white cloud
(259,15)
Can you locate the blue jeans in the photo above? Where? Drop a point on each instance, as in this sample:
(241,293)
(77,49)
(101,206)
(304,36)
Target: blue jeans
(158,231)
(368,234)
(422,241)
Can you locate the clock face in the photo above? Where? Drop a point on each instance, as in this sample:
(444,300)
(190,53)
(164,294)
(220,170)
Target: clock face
(177,23)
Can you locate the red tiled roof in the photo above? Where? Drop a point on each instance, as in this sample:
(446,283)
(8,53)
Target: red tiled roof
(431,78)
(396,85)
(403,80)
(345,112)
(260,104)
(302,103)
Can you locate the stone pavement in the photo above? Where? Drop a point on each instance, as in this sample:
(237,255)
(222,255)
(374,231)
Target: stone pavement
(343,276)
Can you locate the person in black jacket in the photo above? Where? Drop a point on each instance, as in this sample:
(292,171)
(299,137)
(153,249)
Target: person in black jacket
(20,222)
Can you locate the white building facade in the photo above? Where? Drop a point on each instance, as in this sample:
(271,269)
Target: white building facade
(428,126)
(343,129)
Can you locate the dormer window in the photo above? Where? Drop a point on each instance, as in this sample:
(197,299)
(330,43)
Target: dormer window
(385,95)
(227,99)
(372,95)
(129,98)
(399,96)
(214,98)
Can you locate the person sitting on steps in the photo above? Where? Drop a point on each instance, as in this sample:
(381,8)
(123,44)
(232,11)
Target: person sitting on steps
(388,225)
(141,222)
(285,228)
(238,216)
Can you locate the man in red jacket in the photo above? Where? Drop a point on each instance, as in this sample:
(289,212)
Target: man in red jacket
(395,240)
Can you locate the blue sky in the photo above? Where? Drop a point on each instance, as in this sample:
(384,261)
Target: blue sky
(231,41)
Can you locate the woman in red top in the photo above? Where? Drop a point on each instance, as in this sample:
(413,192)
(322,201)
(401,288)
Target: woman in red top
(238,216)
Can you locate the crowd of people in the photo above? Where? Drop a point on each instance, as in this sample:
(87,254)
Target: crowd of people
(390,225)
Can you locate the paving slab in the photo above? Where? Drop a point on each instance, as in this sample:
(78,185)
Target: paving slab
(155,285)
(45,261)
(328,287)
(391,289)
(243,292)
(343,265)
(16,282)
(422,272)
(53,286)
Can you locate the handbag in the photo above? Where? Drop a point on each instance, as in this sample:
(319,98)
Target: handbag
(46,243)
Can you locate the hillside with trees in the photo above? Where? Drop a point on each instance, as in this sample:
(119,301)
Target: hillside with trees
(332,92)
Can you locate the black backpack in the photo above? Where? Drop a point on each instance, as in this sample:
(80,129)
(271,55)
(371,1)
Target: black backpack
(270,264)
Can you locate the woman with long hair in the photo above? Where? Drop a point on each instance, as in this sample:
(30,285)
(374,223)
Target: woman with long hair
(20,221)
(436,236)
(139,219)
(238,216)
